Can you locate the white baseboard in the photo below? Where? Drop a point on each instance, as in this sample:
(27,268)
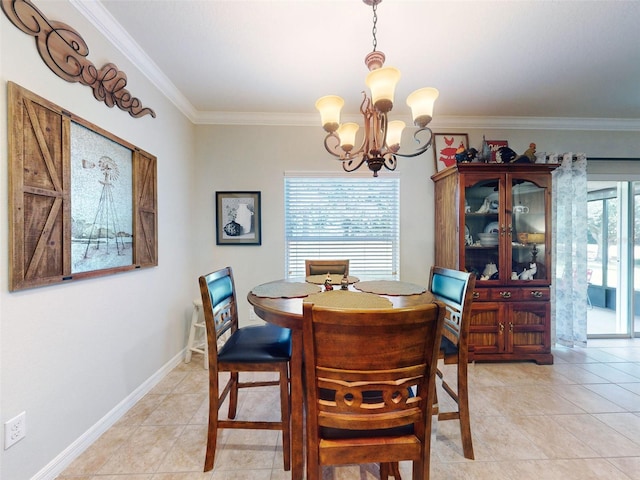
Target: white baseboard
(73,451)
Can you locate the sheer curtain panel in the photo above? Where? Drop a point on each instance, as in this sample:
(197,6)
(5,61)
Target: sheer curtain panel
(569,287)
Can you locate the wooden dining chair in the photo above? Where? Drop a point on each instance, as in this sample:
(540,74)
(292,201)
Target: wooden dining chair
(455,289)
(370,385)
(322,267)
(257,348)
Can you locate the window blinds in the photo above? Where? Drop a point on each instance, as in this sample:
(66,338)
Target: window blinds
(335,218)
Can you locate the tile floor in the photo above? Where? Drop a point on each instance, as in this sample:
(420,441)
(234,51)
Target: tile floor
(576,419)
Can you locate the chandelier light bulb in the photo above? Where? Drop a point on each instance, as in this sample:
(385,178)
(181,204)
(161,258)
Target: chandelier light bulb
(382,84)
(329,107)
(394,134)
(421,103)
(347,133)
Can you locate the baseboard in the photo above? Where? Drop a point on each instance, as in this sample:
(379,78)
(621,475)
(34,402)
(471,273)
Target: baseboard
(73,451)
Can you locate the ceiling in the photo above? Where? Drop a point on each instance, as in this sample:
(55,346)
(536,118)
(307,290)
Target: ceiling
(537,63)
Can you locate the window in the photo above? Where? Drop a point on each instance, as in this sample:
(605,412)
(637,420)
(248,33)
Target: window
(355,218)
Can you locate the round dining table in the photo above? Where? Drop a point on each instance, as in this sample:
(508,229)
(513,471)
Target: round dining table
(282,305)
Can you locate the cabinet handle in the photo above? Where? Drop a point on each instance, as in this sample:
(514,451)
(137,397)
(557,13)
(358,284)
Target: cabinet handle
(536,294)
(476,295)
(505,294)
(511,326)
(500,328)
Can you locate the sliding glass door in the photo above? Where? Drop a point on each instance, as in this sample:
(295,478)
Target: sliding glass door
(613,256)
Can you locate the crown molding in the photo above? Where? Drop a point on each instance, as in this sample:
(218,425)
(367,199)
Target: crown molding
(104,22)
(438,123)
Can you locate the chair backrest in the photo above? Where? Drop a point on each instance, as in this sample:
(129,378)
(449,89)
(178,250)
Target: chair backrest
(455,289)
(219,306)
(361,364)
(322,267)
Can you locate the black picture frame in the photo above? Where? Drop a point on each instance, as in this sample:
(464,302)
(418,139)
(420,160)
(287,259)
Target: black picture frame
(238,218)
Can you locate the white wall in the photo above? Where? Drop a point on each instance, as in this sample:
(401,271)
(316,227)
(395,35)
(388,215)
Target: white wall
(71,353)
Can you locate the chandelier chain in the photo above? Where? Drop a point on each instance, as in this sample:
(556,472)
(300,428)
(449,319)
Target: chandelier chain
(375,29)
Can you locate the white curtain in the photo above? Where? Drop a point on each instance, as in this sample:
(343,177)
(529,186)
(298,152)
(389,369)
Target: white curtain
(569,252)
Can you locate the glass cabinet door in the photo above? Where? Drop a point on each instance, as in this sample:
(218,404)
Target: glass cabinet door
(528,230)
(484,228)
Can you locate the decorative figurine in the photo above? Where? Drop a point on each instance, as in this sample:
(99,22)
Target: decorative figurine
(327,283)
(529,156)
(344,283)
(529,273)
(485,151)
(466,155)
(505,155)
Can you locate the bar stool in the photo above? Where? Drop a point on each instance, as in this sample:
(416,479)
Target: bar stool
(197,335)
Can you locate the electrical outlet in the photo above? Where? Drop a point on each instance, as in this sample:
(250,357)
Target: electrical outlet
(15,429)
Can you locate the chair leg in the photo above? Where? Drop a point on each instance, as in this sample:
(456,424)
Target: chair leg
(233,395)
(384,471)
(420,472)
(390,468)
(285,416)
(212,432)
(463,408)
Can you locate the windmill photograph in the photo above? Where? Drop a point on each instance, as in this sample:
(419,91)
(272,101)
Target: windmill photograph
(101,202)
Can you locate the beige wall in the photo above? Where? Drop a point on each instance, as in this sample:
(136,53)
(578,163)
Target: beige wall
(75,356)
(256,158)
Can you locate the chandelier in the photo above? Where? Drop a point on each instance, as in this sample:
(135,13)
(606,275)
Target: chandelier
(381,143)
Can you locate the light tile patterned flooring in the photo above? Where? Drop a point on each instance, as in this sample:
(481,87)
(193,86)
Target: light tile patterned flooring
(576,419)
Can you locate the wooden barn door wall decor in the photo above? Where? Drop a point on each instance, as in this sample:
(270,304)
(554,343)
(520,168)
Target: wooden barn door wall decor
(82,202)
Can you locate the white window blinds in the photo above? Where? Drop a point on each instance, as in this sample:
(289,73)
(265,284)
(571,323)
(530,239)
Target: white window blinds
(335,218)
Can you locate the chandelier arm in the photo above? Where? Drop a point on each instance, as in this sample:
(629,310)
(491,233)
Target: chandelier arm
(421,149)
(351,164)
(333,150)
(381,131)
(365,106)
(337,152)
(390,162)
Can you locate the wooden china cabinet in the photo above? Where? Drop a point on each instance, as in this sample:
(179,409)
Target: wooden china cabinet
(495,220)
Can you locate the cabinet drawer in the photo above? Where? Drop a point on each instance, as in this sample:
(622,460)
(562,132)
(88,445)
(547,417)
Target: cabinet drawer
(505,293)
(481,294)
(540,294)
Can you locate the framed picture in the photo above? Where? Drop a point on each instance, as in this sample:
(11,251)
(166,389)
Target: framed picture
(494,145)
(82,202)
(238,218)
(445,146)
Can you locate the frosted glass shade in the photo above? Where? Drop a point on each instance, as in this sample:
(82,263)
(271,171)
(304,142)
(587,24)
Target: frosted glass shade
(382,84)
(329,107)
(347,133)
(421,102)
(394,132)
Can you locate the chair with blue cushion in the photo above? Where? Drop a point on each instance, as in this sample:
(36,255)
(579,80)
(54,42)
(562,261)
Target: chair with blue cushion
(257,348)
(455,289)
(370,385)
